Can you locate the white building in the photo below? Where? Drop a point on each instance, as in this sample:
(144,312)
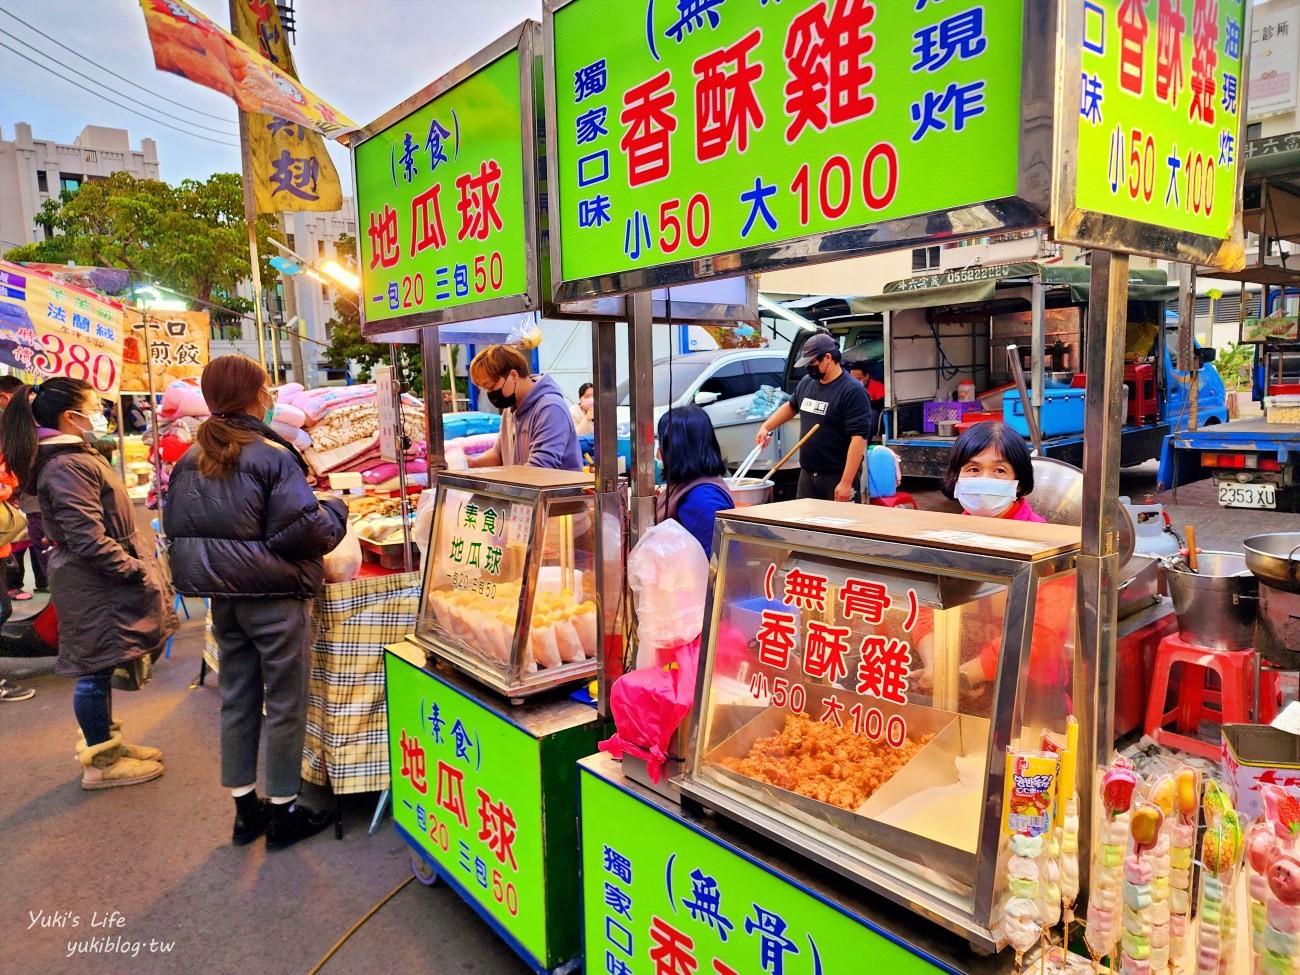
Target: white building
(35,170)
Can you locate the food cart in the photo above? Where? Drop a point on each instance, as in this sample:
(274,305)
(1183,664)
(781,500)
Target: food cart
(521,604)
(778,170)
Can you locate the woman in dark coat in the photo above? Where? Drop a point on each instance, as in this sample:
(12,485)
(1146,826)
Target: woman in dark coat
(107,590)
(246,530)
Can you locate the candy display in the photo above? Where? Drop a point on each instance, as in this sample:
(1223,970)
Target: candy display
(823,762)
(1221,850)
(1182,840)
(1029,804)
(1161,795)
(1110,842)
(1139,912)
(1273,872)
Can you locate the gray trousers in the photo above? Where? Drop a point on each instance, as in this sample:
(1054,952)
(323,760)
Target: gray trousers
(265,657)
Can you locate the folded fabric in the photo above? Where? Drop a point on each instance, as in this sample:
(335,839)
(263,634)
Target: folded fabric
(183,398)
(289,415)
(339,458)
(385,471)
(316,404)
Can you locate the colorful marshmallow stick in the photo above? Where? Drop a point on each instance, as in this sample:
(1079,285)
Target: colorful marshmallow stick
(1136,942)
(1110,842)
(1221,850)
(1182,842)
(1274,884)
(1027,821)
(1161,794)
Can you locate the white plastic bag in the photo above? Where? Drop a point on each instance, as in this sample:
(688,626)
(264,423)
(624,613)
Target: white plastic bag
(422,531)
(669,576)
(344,562)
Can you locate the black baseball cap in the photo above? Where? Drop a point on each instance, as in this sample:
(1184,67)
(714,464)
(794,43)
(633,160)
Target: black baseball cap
(816,347)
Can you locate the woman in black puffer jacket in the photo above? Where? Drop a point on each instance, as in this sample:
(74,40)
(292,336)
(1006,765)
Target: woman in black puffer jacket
(246,530)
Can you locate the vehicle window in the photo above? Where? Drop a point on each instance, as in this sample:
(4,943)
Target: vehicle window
(730,381)
(767,372)
(668,388)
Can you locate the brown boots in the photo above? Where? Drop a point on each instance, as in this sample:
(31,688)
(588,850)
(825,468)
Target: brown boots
(106,766)
(142,752)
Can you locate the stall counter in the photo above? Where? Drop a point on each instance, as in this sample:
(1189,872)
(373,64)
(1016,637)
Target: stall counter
(485,793)
(660,881)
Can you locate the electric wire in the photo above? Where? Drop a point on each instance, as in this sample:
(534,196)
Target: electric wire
(101,67)
(133,111)
(121,94)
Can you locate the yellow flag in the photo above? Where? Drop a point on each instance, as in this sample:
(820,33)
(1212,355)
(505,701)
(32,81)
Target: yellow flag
(291,169)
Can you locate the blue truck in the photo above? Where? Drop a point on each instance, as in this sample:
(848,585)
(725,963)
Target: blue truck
(940,329)
(1254,463)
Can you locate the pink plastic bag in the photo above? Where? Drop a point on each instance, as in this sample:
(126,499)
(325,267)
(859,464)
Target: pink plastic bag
(649,704)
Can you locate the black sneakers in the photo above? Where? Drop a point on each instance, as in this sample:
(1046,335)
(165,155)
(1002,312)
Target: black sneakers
(291,822)
(12,692)
(252,815)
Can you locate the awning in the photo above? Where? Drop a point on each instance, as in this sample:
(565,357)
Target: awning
(978,284)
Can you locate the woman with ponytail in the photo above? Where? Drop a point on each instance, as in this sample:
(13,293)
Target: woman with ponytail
(105,585)
(247,532)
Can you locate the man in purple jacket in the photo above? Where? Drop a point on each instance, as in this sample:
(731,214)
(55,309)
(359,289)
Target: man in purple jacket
(536,427)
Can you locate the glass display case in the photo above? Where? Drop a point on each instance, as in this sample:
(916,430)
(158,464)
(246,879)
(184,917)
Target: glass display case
(509,595)
(865,671)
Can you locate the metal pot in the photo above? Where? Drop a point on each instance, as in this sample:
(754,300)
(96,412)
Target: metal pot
(946,428)
(1217,605)
(746,491)
(1272,558)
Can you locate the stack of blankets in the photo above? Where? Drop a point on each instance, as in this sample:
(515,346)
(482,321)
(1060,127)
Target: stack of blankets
(335,428)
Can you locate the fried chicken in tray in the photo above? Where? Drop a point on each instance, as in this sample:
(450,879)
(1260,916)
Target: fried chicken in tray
(824,762)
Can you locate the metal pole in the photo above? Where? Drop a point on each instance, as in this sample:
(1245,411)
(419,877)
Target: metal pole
(1187,361)
(431,363)
(121,437)
(398,384)
(1037,344)
(153,419)
(641,388)
(250,213)
(611,514)
(1094,675)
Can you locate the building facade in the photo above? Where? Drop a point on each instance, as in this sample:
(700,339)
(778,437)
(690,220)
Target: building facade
(35,170)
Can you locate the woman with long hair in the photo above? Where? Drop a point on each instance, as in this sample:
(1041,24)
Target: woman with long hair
(695,489)
(247,532)
(105,585)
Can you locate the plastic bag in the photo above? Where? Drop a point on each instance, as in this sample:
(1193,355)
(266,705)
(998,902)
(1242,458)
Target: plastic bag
(765,402)
(344,562)
(669,576)
(422,531)
(649,704)
(526,334)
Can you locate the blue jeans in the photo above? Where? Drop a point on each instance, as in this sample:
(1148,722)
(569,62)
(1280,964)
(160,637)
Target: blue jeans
(92,703)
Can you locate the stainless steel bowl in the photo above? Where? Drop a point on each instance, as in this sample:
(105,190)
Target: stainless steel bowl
(1272,558)
(746,491)
(1218,604)
(1058,497)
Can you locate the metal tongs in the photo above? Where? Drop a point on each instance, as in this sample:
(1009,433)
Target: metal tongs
(748,462)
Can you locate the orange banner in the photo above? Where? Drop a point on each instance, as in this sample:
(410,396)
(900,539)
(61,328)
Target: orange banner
(291,168)
(189,44)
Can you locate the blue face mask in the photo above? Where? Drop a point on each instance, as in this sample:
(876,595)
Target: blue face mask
(987,497)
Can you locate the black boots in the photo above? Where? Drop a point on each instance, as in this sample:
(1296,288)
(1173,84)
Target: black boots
(252,814)
(291,822)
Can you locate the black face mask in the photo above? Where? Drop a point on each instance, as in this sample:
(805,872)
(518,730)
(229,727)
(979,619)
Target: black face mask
(814,371)
(500,400)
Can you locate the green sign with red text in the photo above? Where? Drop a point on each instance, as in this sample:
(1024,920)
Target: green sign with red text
(689,130)
(658,896)
(1161,98)
(441,200)
(461,790)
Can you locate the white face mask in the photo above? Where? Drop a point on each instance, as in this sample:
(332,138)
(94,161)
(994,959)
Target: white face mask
(98,422)
(987,497)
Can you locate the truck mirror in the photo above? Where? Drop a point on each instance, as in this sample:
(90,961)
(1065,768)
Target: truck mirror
(1208,355)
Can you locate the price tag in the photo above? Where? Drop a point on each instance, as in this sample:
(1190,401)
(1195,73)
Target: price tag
(520,523)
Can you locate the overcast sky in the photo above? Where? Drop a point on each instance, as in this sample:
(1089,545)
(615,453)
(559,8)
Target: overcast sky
(362,56)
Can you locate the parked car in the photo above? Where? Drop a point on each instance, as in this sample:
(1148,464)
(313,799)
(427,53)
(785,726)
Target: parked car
(723,382)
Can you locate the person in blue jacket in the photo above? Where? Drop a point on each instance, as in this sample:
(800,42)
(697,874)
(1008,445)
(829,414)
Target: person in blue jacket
(694,489)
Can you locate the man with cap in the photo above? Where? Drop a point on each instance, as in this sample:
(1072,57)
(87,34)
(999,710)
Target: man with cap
(831,460)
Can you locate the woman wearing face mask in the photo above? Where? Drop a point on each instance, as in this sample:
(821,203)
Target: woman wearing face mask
(536,428)
(104,583)
(247,532)
(990,474)
(583,411)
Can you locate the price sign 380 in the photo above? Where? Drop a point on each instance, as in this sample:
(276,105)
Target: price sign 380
(60,357)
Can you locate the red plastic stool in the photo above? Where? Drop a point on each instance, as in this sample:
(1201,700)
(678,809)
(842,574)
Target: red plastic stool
(1228,705)
(901,499)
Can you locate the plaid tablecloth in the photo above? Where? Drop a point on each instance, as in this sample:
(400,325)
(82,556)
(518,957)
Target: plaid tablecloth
(347,725)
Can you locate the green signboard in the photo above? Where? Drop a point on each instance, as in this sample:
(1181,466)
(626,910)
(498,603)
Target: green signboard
(1159,115)
(657,896)
(445,190)
(461,789)
(712,138)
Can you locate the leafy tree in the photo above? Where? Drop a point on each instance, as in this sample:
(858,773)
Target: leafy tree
(190,238)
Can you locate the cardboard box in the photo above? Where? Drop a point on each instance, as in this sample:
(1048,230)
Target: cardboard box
(1257,755)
